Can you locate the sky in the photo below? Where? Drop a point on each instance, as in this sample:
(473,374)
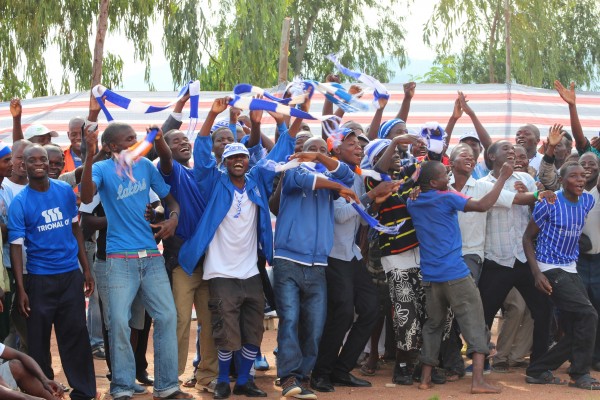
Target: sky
(420,56)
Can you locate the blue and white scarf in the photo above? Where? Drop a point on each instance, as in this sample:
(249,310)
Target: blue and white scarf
(126,103)
(379,91)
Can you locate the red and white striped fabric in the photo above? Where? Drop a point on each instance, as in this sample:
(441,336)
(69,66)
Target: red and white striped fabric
(500,110)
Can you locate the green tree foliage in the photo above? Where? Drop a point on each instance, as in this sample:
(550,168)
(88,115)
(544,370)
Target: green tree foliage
(30,28)
(551,39)
(246,47)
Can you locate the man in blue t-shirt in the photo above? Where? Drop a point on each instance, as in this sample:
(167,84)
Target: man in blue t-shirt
(553,265)
(134,263)
(43,217)
(446,278)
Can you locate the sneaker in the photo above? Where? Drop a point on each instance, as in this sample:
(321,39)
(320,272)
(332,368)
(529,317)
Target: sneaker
(261,364)
(290,387)
(487,369)
(210,387)
(402,374)
(98,353)
(139,390)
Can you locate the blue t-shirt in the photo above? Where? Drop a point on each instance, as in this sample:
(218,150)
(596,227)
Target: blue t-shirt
(186,192)
(44,220)
(435,218)
(125,202)
(560,226)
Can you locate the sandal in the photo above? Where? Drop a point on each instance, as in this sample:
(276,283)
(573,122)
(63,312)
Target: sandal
(365,370)
(190,383)
(545,378)
(585,382)
(176,395)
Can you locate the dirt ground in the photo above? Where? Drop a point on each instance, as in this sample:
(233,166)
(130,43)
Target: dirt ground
(513,384)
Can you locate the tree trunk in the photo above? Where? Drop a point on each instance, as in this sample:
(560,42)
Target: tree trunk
(284,50)
(99,44)
(302,47)
(492,45)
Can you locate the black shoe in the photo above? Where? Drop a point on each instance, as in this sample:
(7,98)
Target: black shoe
(144,379)
(249,389)
(321,384)
(402,374)
(347,379)
(222,390)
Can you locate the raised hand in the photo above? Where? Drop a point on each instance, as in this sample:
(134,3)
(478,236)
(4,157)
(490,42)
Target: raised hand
(555,134)
(91,138)
(220,105)
(409,89)
(356,90)
(15,107)
(333,78)
(464,104)
(457,112)
(568,95)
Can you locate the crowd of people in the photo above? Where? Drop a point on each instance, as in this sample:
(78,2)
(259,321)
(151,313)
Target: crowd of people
(379,231)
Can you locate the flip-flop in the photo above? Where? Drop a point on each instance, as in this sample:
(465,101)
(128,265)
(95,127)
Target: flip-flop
(545,378)
(190,383)
(585,382)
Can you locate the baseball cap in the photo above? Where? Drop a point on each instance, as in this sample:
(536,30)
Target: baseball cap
(337,138)
(235,148)
(469,135)
(38,130)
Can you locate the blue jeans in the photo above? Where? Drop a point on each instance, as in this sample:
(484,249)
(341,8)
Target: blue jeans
(94,320)
(301,296)
(125,277)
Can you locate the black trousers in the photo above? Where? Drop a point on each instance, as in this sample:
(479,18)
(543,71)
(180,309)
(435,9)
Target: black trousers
(58,300)
(580,321)
(349,290)
(495,283)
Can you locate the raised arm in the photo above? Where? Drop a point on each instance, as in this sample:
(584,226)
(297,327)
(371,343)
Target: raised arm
(568,95)
(456,114)
(88,187)
(376,121)
(385,161)
(409,92)
(482,133)
(16,110)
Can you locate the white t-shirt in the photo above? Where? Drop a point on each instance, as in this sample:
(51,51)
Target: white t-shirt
(15,187)
(232,253)
(571,268)
(592,223)
(536,161)
(402,261)
(472,224)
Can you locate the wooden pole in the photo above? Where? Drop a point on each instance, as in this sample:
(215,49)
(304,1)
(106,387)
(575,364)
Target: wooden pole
(284,50)
(99,44)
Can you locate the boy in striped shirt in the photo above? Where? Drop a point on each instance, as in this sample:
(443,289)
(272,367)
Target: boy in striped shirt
(553,265)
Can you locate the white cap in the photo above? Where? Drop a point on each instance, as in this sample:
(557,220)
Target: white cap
(235,148)
(469,135)
(38,130)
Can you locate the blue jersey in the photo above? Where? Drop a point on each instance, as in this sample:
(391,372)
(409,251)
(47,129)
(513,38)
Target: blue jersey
(560,226)
(186,192)
(125,202)
(435,218)
(43,220)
